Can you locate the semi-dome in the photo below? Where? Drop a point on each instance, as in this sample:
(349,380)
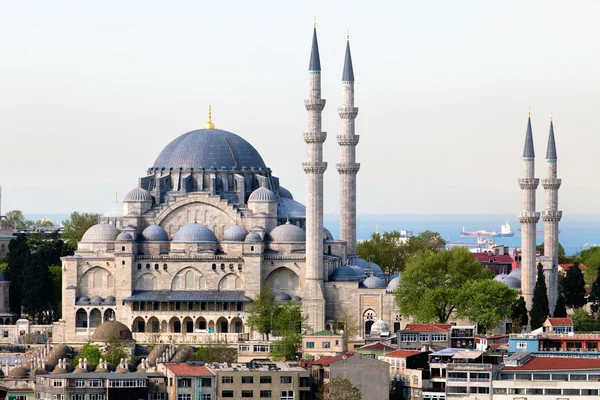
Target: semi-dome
(374,282)
(516,273)
(380,326)
(111,330)
(83,300)
(283,192)
(262,194)
(124,237)
(101,233)
(393,284)
(510,281)
(235,233)
(208,148)
(96,300)
(193,233)
(110,300)
(281,297)
(344,273)
(290,208)
(327,234)
(138,195)
(253,237)
(155,233)
(287,233)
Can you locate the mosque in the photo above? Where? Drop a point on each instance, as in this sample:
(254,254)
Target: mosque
(209,224)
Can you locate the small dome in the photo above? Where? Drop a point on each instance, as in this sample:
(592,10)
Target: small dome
(155,233)
(359,272)
(253,237)
(290,208)
(394,275)
(281,297)
(100,368)
(393,284)
(380,326)
(80,370)
(286,194)
(38,371)
(262,194)
(516,273)
(138,195)
(510,281)
(96,300)
(193,233)
(377,271)
(18,372)
(235,233)
(83,300)
(326,234)
(288,233)
(110,300)
(359,262)
(101,233)
(374,282)
(58,370)
(344,273)
(296,299)
(124,237)
(111,330)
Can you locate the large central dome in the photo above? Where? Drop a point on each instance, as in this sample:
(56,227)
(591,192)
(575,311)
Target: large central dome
(209,148)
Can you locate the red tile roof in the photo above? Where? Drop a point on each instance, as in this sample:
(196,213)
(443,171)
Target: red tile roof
(402,353)
(184,369)
(493,337)
(557,364)
(427,327)
(566,267)
(500,259)
(561,321)
(331,359)
(377,346)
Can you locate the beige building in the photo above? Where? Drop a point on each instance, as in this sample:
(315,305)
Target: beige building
(206,227)
(409,372)
(323,344)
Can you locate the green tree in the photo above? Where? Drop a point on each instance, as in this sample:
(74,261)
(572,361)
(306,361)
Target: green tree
(217,352)
(594,296)
(289,325)
(584,322)
(17,220)
(539,309)
(18,252)
(339,389)
(519,315)
(573,287)
(115,351)
(56,278)
(486,302)
(348,323)
(90,352)
(3,267)
(429,287)
(76,225)
(37,298)
(560,310)
(263,314)
(562,256)
(592,264)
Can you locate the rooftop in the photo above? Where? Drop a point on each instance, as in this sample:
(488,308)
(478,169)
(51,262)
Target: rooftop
(490,258)
(332,359)
(185,369)
(557,364)
(403,353)
(324,332)
(256,366)
(427,328)
(377,346)
(561,321)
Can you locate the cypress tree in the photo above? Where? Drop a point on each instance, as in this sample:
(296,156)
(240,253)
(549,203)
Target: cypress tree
(560,310)
(595,295)
(519,314)
(539,308)
(573,287)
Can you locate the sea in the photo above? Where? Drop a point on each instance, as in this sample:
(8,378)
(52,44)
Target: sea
(577,231)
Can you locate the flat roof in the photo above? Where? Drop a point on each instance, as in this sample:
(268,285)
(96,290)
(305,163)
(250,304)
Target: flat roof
(233,296)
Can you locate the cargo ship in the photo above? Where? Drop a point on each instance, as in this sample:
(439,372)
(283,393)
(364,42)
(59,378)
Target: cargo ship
(505,231)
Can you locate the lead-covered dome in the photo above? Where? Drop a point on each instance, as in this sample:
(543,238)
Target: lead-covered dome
(192,233)
(283,192)
(111,330)
(208,148)
(516,273)
(155,233)
(253,237)
(101,233)
(393,285)
(380,326)
(124,237)
(138,195)
(262,194)
(374,282)
(235,233)
(510,281)
(345,273)
(288,233)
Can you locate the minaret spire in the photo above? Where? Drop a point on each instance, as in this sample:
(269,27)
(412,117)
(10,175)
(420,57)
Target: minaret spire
(528,218)
(313,300)
(348,167)
(551,217)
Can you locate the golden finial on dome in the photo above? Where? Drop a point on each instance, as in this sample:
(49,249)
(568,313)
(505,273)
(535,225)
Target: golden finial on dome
(529,112)
(315,23)
(550,115)
(348,34)
(209,124)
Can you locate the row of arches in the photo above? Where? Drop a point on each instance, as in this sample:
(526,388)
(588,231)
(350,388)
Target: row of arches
(188,325)
(92,318)
(188,279)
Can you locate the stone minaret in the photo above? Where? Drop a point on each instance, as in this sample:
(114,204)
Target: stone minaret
(551,216)
(313,300)
(528,219)
(347,167)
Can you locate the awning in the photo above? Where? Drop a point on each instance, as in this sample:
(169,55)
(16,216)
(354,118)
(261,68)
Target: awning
(467,355)
(233,296)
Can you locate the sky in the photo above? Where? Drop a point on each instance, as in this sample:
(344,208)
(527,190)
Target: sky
(91,92)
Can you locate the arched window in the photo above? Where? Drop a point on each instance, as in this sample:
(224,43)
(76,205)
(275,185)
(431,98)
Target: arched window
(97,279)
(189,280)
(202,283)
(110,282)
(84,281)
(230,282)
(154,283)
(238,283)
(176,283)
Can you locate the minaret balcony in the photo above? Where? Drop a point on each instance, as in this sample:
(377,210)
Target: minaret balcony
(551,183)
(314,104)
(311,167)
(347,112)
(314,137)
(551,215)
(348,140)
(528,217)
(348,168)
(529,183)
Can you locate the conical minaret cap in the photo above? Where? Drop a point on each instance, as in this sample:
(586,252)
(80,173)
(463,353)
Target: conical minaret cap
(315,60)
(528,150)
(348,74)
(551,151)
